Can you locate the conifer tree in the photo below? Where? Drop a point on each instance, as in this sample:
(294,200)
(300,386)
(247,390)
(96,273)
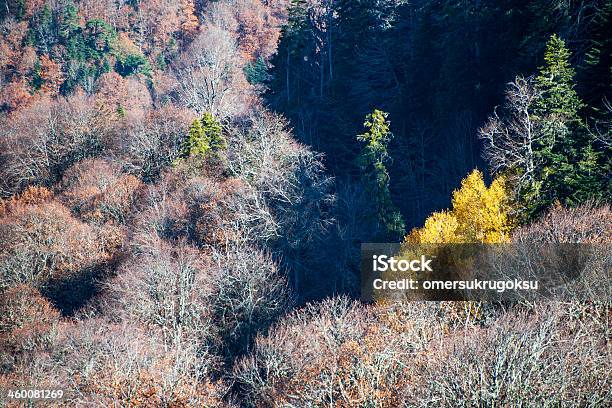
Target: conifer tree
(556,80)
(541,143)
(375,176)
(568,161)
(205,136)
(257,72)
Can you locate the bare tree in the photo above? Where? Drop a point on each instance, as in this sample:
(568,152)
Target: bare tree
(510,138)
(603,127)
(165,288)
(41,243)
(153,144)
(210,77)
(38,143)
(250,294)
(290,179)
(287,175)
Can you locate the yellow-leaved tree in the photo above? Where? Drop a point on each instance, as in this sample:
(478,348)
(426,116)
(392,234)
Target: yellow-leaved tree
(479,214)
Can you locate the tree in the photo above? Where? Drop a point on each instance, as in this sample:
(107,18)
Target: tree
(565,148)
(257,27)
(41,141)
(290,180)
(133,64)
(594,78)
(205,137)
(154,142)
(587,223)
(42,244)
(97,192)
(556,82)
(249,295)
(540,143)
(511,137)
(210,75)
(478,214)
(257,72)
(51,76)
(372,162)
(28,321)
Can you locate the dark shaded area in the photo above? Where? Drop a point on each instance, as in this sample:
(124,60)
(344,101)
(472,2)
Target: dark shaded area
(438,67)
(73,293)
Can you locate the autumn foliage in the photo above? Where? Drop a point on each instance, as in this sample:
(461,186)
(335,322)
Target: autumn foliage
(165,241)
(478,214)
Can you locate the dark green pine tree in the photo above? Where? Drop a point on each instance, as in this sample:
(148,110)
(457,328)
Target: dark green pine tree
(257,72)
(556,81)
(375,176)
(569,165)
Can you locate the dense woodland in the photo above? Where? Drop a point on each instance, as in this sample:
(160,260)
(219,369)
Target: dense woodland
(185,185)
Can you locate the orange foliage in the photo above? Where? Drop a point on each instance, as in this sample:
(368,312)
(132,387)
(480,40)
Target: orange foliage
(258,29)
(15,95)
(190,24)
(12,34)
(32,6)
(42,242)
(157,21)
(337,353)
(27,320)
(31,196)
(217,213)
(26,62)
(97,191)
(51,75)
(113,12)
(123,96)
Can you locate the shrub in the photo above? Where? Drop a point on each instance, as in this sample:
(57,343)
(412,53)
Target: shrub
(589,223)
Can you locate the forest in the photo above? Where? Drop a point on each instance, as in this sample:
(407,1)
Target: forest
(185,187)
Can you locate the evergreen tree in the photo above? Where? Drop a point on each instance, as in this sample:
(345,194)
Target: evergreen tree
(69,24)
(375,177)
(556,81)
(131,64)
(205,137)
(568,171)
(257,72)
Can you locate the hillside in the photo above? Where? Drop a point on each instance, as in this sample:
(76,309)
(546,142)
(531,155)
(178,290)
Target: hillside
(185,187)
